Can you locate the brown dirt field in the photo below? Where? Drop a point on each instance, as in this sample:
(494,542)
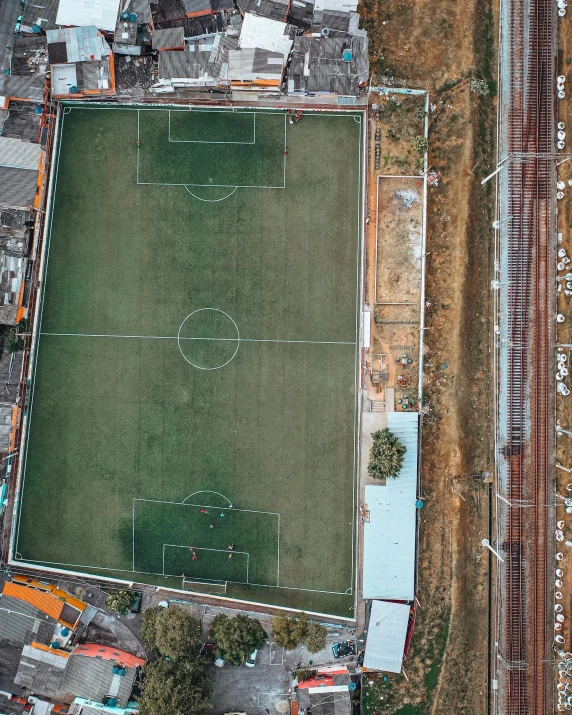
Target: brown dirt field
(438,45)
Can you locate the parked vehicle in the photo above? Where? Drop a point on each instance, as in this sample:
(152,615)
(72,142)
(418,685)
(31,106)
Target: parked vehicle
(251,662)
(342,649)
(136,603)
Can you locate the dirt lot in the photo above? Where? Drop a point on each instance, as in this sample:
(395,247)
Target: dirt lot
(439,45)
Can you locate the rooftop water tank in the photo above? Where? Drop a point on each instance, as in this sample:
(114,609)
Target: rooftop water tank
(125,15)
(325,32)
(133,17)
(347,55)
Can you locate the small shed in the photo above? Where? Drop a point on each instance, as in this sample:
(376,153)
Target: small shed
(386,636)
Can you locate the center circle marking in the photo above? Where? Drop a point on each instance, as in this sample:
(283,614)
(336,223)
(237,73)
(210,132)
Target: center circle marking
(182,339)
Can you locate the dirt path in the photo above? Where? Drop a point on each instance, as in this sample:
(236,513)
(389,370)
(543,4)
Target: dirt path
(439,45)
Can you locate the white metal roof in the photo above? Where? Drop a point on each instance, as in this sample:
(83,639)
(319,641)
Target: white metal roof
(389,535)
(340,5)
(17,154)
(386,636)
(101,13)
(264,33)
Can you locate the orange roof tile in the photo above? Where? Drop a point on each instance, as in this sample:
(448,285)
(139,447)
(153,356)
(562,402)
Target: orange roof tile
(93,650)
(44,602)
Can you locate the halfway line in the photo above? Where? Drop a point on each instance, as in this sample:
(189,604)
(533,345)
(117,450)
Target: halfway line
(174,337)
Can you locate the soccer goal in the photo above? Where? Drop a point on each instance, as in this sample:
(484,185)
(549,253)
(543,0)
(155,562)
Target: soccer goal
(203,586)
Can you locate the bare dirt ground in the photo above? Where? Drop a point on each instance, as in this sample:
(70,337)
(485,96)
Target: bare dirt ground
(439,45)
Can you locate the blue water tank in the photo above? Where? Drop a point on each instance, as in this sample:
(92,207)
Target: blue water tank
(115,670)
(65,632)
(56,644)
(38,110)
(125,15)
(121,672)
(112,702)
(347,55)
(73,89)
(133,17)
(419,504)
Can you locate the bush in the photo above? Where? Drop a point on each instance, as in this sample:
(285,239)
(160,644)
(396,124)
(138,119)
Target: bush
(420,144)
(120,601)
(171,632)
(237,637)
(315,639)
(480,87)
(289,632)
(386,455)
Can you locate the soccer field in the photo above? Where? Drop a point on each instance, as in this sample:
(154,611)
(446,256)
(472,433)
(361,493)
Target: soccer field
(197,354)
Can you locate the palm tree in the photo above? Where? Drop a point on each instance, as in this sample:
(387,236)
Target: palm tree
(386,455)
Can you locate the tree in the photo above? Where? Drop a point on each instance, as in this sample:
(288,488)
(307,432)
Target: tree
(13,344)
(315,639)
(171,632)
(120,601)
(386,455)
(237,637)
(289,632)
(176,688)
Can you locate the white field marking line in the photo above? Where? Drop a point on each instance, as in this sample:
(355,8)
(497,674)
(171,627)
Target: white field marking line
(133,519)
(154,573)
(273,652)
(268,697)
(175,337)
(211,201)
(222,186)
(209,491)
(357,369)
(196,141)
(138,147)
(209,506)
(204,548)
(216,367)
(39,323)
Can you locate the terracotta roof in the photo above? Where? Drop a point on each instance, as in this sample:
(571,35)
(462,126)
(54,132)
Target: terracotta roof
(44,602)
(93,650)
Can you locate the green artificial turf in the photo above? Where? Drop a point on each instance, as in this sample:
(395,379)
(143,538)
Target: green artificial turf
(149,288)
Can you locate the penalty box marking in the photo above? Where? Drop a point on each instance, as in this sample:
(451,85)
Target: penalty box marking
(204,548)
(224,186)
(222,508)
(199,141)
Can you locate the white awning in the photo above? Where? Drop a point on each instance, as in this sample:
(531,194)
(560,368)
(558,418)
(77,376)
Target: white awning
(389,535)
(386,636)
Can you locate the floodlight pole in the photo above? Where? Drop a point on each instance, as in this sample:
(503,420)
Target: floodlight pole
(486,542)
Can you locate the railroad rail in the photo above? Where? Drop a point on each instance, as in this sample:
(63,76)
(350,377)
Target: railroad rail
(527,309)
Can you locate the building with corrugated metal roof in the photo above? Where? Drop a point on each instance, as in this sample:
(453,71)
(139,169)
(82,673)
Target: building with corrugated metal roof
(389,532)
(81,62)
(386,636)
(332,66)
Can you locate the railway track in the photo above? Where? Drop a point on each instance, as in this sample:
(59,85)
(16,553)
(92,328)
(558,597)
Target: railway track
(526,427)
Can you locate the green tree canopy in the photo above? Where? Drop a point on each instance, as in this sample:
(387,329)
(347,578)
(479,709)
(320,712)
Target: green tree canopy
(315,638)
(289,632)
(171,632)
(386,455)
(120,601)
(237,637)
(176,688)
